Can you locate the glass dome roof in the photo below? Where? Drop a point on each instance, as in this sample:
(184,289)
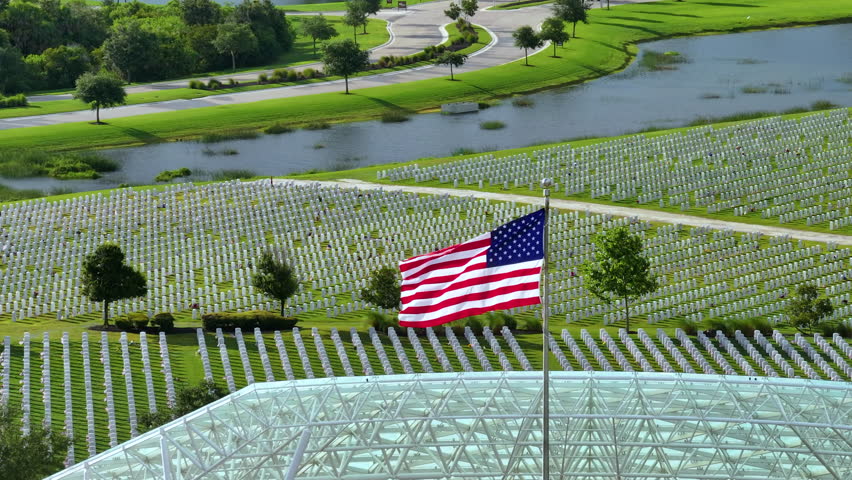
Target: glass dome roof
(488,426)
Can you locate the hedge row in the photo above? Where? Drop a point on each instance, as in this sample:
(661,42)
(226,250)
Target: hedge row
(18,100)
(247,320)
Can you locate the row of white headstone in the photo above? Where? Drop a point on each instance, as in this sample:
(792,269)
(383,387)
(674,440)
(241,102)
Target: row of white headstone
(707,357)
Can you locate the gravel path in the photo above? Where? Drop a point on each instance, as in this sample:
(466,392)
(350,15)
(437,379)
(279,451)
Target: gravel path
(649,215)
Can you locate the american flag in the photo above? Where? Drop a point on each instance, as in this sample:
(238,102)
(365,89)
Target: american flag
(497,270)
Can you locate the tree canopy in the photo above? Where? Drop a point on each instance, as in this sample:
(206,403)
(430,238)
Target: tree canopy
(619,270)
(344,58)
(318,28)
(453,59)
(234,39)
(356,15)
(47,44)
(100,90)
(526,38)
(553,30)
(806,309)
(382,289)
(187,400)
(106,278)
(275,278)
(31,456)
(571,11)
(469,7)
(454,11)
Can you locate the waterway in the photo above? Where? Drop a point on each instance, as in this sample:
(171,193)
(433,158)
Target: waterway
(773,70)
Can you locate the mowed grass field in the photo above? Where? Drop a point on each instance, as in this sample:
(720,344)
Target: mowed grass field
(602,47)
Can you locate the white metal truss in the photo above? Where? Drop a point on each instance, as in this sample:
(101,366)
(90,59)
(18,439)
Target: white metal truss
(604,425)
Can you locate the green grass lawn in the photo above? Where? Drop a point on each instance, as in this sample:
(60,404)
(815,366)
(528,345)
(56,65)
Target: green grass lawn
(301,54)
(604,46)
(517,5)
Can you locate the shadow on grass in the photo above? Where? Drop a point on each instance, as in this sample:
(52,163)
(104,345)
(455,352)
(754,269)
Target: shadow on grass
(635,19)
(688,15)
(633,27)
(726,4)
(142,135)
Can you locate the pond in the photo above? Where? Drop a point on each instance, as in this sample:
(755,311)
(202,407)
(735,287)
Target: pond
(728,74)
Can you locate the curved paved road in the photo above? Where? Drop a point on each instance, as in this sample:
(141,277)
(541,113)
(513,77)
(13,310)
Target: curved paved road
(413,30)
(649,215)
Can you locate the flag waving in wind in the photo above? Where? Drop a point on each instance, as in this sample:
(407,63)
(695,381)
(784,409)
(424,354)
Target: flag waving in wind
(497,270)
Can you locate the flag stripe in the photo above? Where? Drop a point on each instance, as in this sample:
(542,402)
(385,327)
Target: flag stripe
(434,280)
(471,282)
(480,242)
(466,310)
(453,260)
(483,295)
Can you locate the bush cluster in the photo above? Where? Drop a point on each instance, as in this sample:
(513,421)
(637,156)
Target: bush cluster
(138,321)
(169,175)
(246,320)
(19,100)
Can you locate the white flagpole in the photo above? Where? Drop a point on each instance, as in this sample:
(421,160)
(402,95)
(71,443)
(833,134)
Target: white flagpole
(545,363)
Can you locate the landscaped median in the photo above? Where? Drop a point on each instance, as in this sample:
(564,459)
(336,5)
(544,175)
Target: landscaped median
(604,46)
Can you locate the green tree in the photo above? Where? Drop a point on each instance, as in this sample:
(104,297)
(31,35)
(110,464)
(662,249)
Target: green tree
(100,90)
(31,28)
(31,456)
(200,12)
(275,278)
(355,16)
(61,66)
(15,77)
(807,310)
(619,270)
(106,278)
(131,50)
(234,39)
(469,7)
(270,27)
(373,6)
(453,59)
(553,30)
(526,38)
(454,12)
(318,28)
(187,400)
(344,58)
(383,288)
(571,11)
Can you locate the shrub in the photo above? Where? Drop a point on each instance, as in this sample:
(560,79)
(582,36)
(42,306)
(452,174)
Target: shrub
(292,75)
(533,324)
(232,82)
(309,73)
(140,324)
(492,125)
(124,324)
(233,174)
(197,85)
(689,327)
(19,100)
(380,322)
(234,134)
(262,78)
(213,84)
(246,320)
(394,116)
(163,321)
(497,320)
(169,175)
(317,126)
(822,105)
(279,76)
(843,329)
(277,128)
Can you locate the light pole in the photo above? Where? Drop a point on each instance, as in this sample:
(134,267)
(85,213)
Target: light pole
(546,183)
